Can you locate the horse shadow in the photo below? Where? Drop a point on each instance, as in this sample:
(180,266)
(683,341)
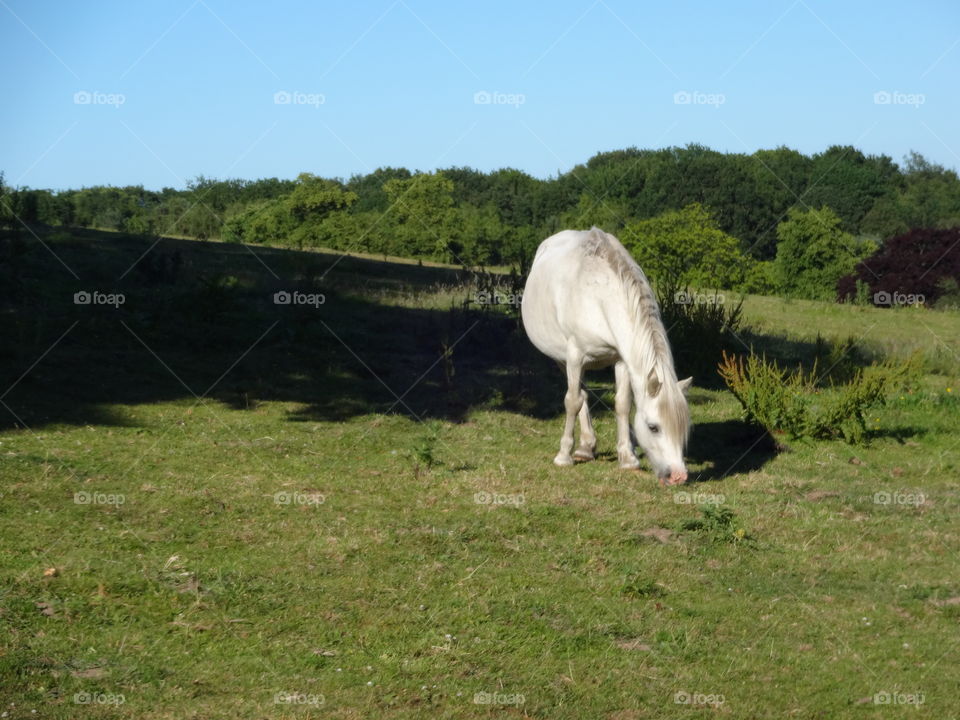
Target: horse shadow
(728,446)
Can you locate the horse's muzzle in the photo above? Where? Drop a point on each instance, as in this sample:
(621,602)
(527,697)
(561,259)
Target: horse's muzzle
(677,476)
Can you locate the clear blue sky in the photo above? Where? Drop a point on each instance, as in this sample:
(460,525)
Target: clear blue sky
(198,80)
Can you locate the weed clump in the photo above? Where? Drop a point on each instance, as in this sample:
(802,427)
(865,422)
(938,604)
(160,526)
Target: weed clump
(719,524)
(637,586)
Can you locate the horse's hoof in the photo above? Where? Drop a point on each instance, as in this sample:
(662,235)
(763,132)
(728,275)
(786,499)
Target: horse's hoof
(633,464)
(563,461)
(583,456)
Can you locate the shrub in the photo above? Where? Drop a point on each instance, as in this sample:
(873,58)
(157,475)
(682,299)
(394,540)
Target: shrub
(921,262)
(759,278)
(495,291)
(701,327)
(686,247)
(814,252)
(949,298)
(261,222)
(793,403)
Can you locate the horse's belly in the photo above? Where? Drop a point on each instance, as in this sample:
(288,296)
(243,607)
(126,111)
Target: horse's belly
(552,334)
(548,340)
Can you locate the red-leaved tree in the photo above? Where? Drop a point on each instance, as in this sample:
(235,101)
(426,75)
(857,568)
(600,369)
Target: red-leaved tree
(918,263)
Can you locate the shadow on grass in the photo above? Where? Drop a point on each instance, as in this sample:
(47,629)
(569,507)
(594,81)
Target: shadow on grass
(736,446)
(728,446)
(902,434)
(199,320)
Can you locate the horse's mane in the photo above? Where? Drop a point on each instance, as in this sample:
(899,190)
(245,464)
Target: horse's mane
(650,344)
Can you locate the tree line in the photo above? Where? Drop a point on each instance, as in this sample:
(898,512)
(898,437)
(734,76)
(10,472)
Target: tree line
(736,220)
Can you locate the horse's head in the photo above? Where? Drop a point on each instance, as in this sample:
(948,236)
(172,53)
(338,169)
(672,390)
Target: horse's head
(662,424)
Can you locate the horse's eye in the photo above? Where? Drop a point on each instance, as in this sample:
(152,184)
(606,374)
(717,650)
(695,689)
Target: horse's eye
(653,428)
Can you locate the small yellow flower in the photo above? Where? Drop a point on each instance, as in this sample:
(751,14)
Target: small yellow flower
(949,389)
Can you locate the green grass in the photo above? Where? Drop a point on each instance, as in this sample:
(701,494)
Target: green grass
(408,565)
(884,332)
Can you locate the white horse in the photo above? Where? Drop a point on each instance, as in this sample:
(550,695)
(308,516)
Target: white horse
(587,304)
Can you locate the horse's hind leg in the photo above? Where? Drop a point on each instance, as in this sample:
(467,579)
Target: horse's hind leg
(626,456)
(573,401)
(588,438)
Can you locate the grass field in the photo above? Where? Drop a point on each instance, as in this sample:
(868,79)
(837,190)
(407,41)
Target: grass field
(216,506)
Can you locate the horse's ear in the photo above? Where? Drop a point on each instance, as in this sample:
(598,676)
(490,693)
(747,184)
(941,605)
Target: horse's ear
(653,383)
(684,385)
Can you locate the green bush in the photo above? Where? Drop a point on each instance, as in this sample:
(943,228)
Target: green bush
(814,252)
(701,327)
(686,247)
(261,222)
(794,403)
(949,298)
(759,278)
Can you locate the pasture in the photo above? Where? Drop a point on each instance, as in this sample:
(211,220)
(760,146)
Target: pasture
(214,506)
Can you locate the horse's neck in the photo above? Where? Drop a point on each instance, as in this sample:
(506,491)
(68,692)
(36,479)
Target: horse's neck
(642,356)
(642,339)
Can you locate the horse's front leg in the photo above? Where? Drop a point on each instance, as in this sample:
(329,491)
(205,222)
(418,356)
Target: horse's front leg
(572,402)
(626,456)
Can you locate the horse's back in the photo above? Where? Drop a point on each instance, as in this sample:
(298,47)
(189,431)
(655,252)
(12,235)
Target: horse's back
(566,294)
